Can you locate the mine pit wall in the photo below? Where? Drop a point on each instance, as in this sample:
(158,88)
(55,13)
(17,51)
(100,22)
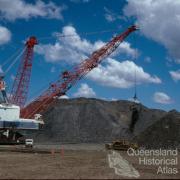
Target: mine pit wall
(96,121)
(165,133)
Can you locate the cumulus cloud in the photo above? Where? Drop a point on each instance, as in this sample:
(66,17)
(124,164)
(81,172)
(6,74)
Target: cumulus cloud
(85,91)
(175,75)
(158,20)
(121,74)
(162,98)
(5,35)
(20,9)
(73,49)
(125,48)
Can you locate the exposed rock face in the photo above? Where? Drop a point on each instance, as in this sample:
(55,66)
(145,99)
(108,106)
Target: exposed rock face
(164,133)
(93,120)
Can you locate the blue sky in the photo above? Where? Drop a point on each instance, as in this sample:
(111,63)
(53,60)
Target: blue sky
(157,42)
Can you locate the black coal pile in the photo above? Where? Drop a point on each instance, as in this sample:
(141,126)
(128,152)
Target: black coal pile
(93,120)
(165,133)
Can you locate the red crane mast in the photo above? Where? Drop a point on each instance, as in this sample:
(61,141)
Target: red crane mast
(70,78)
(20,87)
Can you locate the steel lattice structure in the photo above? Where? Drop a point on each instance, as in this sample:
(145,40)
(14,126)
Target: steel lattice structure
(70,78)
(20,87)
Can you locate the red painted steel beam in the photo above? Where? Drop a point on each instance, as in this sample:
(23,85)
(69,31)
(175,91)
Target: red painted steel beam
(70,78)
(20,86)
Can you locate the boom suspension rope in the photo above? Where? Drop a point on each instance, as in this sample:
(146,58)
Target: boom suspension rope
(70,78)
(20,87)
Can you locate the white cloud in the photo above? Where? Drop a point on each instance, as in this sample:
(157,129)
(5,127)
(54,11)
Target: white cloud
(175,75)
(5,35)
(20,9)
(85,91)
(114,99)
(63,97)
(121,74)
(125,48)
(110,16)
(162,98)
(158,20)
(73,49)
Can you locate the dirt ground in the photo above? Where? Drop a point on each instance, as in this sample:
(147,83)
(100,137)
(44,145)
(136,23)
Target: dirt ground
(69,164)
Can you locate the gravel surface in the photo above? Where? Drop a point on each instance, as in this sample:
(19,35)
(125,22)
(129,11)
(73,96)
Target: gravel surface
(72,164)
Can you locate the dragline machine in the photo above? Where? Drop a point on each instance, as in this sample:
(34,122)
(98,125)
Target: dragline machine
(70,78)
(11,125)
